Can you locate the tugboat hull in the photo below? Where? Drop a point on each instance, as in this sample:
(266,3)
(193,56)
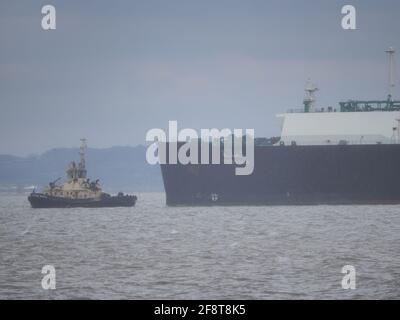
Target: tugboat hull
(40,200)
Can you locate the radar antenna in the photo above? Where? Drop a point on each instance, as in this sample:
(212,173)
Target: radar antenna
(391,53)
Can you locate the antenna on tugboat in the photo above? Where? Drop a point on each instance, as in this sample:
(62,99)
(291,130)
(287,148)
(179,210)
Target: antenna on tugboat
(82,150)
(391,53)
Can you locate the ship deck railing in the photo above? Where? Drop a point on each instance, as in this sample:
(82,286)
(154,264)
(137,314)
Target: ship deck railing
(315,110)
(355,106)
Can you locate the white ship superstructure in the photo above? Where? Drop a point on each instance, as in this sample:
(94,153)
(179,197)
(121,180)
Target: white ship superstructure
(353,122)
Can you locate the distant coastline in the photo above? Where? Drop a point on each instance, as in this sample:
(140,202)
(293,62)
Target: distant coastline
(119,167)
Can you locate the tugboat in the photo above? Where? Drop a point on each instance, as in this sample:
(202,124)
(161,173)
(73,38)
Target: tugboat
(78,191)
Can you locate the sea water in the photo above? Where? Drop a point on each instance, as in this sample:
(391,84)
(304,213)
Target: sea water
(152,251)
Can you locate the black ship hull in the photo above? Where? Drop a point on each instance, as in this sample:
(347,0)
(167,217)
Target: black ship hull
(39,200)
(292,175)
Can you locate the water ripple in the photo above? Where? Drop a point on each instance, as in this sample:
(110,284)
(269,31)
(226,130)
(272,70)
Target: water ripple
(153,251)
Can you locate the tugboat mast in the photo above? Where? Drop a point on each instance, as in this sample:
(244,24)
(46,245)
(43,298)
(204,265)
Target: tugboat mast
(82,172)
(82,149)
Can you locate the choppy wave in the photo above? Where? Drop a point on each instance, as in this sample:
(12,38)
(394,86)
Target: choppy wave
(153,251)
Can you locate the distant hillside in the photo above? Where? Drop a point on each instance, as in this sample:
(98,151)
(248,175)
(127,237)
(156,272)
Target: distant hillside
(118,168)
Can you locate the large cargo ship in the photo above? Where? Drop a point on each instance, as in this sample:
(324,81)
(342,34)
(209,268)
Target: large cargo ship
(344,155)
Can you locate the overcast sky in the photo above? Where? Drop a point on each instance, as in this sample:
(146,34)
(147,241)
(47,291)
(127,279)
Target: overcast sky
(112,70)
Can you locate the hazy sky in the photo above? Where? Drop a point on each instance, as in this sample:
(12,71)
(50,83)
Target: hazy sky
(112,70)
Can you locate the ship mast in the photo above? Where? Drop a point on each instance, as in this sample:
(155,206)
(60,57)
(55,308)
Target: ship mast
(82,149)
(309,99)
(391,53)
(82,163)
